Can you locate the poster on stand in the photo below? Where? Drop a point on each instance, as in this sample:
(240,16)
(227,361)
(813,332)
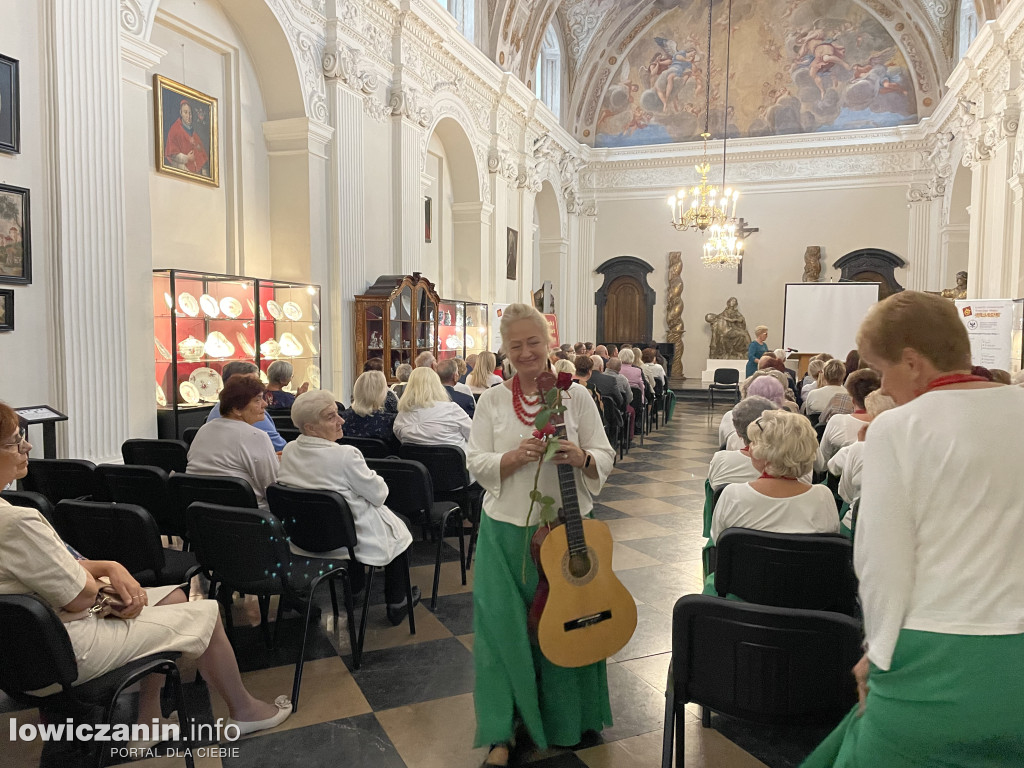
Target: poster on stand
(989,324)
(496,311)
(553,328)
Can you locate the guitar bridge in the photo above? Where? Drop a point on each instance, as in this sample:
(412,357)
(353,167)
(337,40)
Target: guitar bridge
(587,621)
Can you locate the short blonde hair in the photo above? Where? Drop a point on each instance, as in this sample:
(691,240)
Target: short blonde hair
(369,393)
(481,374)
(626,356)
(309,406)
(833,372)
(423,390)
(785,441)
(876,403)
(461,365)
(565,366)
(927,324)
(513,313)
(760,329)
(814,368)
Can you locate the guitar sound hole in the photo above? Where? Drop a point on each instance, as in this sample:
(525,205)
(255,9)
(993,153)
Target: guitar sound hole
(579,565)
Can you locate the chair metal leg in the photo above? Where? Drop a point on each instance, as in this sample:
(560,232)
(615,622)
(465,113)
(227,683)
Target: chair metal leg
(462,546)
(668,730)
(705,717)
(277,620)
(680,728)
(334,599)
(174,683)
(302,647)
(366,606)
(264,603)
(408,592)
(357,651)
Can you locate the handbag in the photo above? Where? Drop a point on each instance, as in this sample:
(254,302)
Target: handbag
(108,603)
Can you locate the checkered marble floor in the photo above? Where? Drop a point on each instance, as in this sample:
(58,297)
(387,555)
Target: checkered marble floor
(411,702)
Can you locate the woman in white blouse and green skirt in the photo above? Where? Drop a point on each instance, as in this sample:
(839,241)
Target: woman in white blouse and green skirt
(939,550)
(556,705)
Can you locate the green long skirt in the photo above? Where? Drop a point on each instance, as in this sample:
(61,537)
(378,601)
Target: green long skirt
(557,705)
(948,701)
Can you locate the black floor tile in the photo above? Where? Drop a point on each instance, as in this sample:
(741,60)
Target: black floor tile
(560,760)
(653,635)
(455,612)
(602,512)
(394,677)
(252,653)
(670,549)
(615,493)
(776,746)
(636,706)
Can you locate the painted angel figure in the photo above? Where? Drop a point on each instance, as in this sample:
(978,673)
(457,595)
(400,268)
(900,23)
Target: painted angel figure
(680,67)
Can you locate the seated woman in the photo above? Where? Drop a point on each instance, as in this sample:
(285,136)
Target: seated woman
(230,445)
(427,416)
(761,386)
(782,448)
(637,377)
(314,460)
(34,560)
(833,374)
(810,380)
(734,465)
(583,369)
(279,376)
(842,429)
(849,461)
(402,374)
(483,377)
(377,364)
(649,357)
(367,416)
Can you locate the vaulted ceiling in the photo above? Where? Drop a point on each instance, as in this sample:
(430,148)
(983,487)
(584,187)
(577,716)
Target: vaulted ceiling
(873,44)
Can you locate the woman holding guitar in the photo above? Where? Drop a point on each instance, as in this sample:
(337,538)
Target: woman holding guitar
(556,705)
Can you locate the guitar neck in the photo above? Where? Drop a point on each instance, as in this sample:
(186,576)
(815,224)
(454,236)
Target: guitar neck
(570,503)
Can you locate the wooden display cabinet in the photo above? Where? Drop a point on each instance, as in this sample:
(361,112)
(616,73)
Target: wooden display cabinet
(396,320)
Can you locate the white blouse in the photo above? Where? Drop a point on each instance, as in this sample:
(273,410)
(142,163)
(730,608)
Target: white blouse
(817,399)
(232,448)
(740,506)
(497,430)
(729,467)
(439,424)
(841,431)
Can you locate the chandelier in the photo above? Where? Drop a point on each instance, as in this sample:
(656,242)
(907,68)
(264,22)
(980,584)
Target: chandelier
(707,207)
(724,246)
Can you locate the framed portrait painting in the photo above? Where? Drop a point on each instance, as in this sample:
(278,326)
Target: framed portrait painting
(15,236)
(6,310)
(186,132)
(10,105)
(428,216)
(512,257)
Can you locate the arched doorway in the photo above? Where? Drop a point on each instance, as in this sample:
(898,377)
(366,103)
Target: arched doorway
(872,265)
(625,303)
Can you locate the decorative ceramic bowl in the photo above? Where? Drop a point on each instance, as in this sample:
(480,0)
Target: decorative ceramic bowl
(191,349)
(270,348)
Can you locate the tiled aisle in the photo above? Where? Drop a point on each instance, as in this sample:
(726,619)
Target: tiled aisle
(411,702)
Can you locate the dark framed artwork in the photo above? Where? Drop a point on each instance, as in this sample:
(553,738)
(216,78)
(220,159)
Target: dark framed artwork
(512,258)
(186,132)
(15,236)
(427,205)
(10,106)
(7,309)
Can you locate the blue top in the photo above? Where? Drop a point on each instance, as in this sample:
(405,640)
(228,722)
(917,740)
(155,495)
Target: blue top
(267,425)
(379,424)
(461,399)
(754,352)
(280,399)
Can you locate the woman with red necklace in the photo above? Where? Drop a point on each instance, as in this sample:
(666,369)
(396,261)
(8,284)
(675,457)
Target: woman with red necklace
(939,551)
(515,685)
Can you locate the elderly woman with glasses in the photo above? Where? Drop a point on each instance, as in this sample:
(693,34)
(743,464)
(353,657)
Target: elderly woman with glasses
(315,461)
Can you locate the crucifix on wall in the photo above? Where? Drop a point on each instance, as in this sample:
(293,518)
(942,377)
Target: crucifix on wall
(742,230)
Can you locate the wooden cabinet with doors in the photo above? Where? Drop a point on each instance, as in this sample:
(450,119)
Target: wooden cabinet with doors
(396,320)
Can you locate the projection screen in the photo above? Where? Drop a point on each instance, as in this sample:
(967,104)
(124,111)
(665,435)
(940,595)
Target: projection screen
(824,317)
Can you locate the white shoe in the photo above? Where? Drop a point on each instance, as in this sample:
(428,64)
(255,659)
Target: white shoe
(150,743)
(284,709)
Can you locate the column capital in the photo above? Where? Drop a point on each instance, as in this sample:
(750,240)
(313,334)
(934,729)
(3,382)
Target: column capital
(297,135)
(140,53)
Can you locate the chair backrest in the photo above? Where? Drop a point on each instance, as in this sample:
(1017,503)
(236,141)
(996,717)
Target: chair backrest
(638,399)
(727,376)
(244,548)
(809,571)
(316,520)
(765,664)
(410,489)
(37,647)
(189,435)
(445,463)
(819,430)
(370,447)
(288,433)
(103,530)
(31,500)
(147,487)
(169,455)
(187,488)
(59,479)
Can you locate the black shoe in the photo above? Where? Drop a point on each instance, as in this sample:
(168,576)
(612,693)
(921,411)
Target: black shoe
(398,611)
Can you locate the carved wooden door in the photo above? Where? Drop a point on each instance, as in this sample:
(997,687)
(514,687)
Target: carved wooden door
(625,312)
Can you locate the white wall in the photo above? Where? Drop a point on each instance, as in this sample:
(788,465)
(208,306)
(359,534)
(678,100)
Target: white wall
(839,221)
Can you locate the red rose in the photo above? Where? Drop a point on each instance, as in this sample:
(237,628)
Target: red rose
(538,434)
(564,381)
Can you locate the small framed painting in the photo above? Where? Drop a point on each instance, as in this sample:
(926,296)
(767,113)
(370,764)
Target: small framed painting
(6,309)
(10,106)
(512,257)
(186,132)
(427,213)
(15,236)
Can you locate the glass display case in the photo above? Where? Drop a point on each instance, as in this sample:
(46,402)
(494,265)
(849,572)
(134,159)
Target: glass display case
(461,328)
(203,321)
(396,320)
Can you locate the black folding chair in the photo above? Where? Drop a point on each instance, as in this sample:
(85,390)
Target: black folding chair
(613,427)
(59,479)
(246,550)
(146,486)
(658,403)
(127,534)
(411,493)
(187,488)
(447,467)
(189,435)
(787,570)
(370,447)
(31,500)
(640,411)
(727,380)
(771,666)
(169,455)
(289,434)
(37,654)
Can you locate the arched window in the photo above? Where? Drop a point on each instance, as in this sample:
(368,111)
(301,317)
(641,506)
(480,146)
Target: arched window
(548,77)
(968,25)
(462,10)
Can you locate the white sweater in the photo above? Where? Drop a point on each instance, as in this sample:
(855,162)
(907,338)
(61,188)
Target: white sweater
(439,424)
(740,506)
(842,430)
(848,465)
(233,448)
(940,536)
(725,428)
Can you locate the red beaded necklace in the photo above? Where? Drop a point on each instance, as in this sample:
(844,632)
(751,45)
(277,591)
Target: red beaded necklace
(522,404)
(953,378)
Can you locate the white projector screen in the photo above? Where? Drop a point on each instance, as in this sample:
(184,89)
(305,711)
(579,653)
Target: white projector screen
(824,317)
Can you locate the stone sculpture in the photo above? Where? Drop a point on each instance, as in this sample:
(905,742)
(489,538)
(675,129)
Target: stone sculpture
(729,336)
(674,319)
(812,264)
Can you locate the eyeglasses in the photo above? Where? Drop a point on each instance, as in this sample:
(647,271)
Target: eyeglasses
(20,444)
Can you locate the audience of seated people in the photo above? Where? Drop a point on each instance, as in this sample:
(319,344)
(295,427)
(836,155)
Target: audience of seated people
(606,384)
(279,376)
(483,377)
(427,415)
(649,358)
(377,364)
(460,383)
(231,445)
(843,428)
(316,461)
(830,383)
(367,416)
(848,462)
(265,424)
(402,374)
(810,380)
(733,465)
(470,365)
(447,371)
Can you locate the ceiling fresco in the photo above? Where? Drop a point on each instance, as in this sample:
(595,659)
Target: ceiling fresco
(797,66)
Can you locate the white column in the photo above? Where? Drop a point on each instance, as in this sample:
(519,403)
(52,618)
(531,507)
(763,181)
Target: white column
(408,199)
(583,275)
(1015,279)
(978,237)
(923,254)
(86,151)
(500,288)
(471,241)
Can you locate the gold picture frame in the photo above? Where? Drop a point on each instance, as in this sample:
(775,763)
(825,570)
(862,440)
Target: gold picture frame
(186,119)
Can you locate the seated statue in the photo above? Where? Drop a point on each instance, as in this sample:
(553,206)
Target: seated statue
(729,337)
(960,292)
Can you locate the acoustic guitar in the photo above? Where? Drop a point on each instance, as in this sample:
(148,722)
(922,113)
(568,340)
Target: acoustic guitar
(581,610)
